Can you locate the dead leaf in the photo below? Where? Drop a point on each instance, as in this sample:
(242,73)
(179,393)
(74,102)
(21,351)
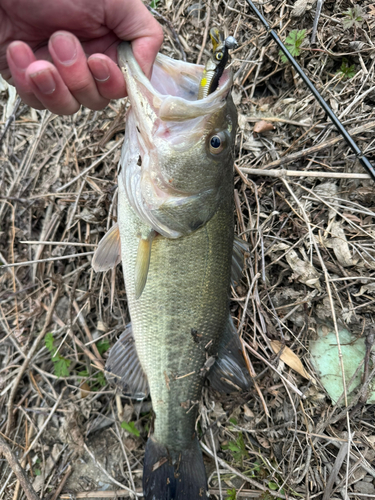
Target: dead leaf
(303,270)
(339,244)
(301,6)
(263,126)
(85,389)
(369,288)
(248,413)
(290,359)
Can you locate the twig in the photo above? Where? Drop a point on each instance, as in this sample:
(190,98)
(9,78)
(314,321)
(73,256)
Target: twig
(45,423)
(68,471)
(335,470)
(93,165)
(99,494)
(60,243)
(246,478)
(171,28)
(96,362)
(49,259)
(26,362)
(319,147)
(129,490)
(253,351)
(18,470)
(301,173)
(205,34)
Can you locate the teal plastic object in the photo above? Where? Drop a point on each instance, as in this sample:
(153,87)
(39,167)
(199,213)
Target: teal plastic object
(325,359)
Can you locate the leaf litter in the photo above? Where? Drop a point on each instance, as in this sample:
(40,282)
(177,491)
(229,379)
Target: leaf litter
(307,211)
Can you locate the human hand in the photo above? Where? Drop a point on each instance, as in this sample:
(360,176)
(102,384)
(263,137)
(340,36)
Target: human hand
(66,32)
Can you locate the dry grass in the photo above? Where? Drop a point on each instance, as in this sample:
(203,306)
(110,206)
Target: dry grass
(58,184)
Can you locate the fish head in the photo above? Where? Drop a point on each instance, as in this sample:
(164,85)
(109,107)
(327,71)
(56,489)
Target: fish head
(177,161)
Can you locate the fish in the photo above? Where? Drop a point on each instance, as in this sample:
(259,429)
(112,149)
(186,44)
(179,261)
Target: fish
(175,239)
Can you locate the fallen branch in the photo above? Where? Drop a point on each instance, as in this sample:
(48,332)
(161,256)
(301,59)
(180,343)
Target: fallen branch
(319,147)
(18,470)
(300,173)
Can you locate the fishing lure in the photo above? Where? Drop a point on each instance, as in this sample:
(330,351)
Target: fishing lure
(216,64)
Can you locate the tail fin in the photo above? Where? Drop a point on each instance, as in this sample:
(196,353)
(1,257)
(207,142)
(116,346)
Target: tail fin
(169,475)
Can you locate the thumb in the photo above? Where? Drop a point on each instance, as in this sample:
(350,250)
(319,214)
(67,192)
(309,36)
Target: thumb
(130,20)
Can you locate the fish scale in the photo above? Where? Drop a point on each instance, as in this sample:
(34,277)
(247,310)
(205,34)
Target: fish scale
(190,277)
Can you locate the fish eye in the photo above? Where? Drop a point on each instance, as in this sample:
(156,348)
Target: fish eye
(217,143)
(219,56)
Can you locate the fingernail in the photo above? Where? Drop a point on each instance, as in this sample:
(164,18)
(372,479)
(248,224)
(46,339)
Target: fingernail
(20,57)
(99,69)
(44,80)
(64,47)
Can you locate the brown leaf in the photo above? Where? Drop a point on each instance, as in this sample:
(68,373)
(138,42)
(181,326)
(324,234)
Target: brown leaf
(290,359)
(263,126)
(85,389)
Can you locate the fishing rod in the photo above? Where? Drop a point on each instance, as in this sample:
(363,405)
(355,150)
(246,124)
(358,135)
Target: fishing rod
(340,127)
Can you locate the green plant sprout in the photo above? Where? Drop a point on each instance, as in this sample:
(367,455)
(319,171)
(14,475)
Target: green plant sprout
(231,494)
(131,428)
(103,346)
(345,70)
(354,17)
(238,449)
(293,43)
(61,364)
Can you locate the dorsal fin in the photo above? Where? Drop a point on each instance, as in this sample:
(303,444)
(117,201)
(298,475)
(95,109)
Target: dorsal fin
(108,253)
(143,262)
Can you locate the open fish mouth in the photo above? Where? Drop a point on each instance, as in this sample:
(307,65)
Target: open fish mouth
(172,93)
(170,177)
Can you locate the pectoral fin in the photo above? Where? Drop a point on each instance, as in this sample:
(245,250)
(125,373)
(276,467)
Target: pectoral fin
(124,368)
(143,263)
(108,253)
(230,373)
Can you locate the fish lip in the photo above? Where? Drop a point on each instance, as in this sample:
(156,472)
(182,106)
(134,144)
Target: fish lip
(150,104)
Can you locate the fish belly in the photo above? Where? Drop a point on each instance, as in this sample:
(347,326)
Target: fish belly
(181,315)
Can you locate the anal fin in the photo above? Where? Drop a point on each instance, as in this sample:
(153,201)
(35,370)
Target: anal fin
(124,368)
(108,253)
(230,373)
(142,262)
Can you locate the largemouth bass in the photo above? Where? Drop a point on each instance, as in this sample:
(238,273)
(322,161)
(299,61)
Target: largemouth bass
(175,223)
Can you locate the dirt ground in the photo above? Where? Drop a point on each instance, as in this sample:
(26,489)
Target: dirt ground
(303,202)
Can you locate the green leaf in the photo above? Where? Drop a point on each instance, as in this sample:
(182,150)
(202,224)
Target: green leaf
(83,373)
(103,346)
(232,494)
(293,43)
(37,472)
(48,341)
(131,428)
(61,366)
(101,379)
(238,448)
(273,486)
(153,4)
(345,70)
(354,17)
